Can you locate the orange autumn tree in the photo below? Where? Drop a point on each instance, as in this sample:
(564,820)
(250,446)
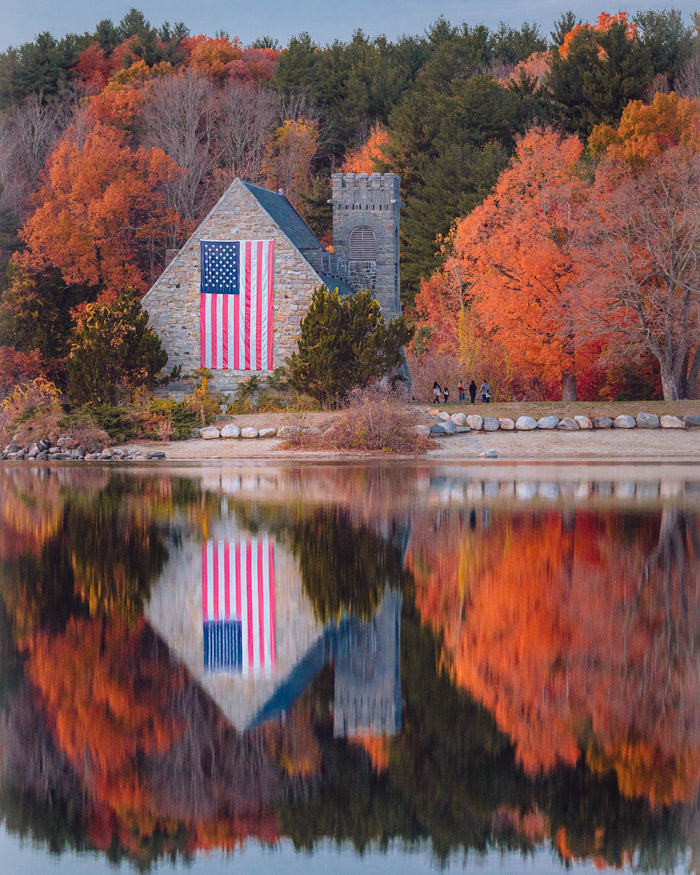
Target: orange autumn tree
(602,24)
(516,257)
(366,158)
(101,213)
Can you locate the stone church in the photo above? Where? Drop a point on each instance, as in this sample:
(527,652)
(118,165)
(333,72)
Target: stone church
(233,297)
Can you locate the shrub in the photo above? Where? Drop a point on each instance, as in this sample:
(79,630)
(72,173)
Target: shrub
(205,405)
(168,419)
(82,428)
(374,420)
(121,425)
(26,403)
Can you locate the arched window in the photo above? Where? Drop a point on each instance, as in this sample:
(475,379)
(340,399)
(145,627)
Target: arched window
(362,244)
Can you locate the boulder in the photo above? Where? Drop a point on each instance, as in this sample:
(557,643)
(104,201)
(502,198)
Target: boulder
(267,432)
(568,423)
(459,418)
(584,423)
(489,454)
(602,422)
(230,431)
(475,421)
(438,429)
(623,421)
(691,420)
(525,423)
(548,422)
(249,432)
(449,427)
(647,420)
(433,411)
(155,455)
(672,422)
(506,424)
(210,433)
(195,434)
(312,430)
(491,424)
(286,432)
(444,415)
(422,430)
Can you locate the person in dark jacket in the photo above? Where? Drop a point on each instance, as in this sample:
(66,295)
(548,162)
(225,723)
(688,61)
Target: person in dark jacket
(472,391)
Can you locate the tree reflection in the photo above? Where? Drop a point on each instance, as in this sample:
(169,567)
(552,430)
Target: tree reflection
(576,644)
(549,680)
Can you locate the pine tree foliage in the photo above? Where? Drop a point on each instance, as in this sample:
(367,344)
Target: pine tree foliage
(344,343)
(113,351)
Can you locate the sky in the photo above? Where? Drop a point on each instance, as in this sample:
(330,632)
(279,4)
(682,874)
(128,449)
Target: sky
(324,20)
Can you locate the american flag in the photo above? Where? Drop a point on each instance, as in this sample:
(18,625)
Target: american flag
(238,605)
(236,304)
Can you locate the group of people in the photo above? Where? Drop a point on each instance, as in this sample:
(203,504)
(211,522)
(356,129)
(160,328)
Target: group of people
(485,391)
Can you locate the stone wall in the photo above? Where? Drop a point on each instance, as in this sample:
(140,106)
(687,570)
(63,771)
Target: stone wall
(375,202)
(173,301)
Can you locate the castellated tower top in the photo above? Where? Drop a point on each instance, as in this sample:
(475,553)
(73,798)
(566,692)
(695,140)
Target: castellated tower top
(366,216)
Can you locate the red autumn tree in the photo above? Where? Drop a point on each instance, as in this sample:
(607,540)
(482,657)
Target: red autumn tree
(102,214)
(516,258)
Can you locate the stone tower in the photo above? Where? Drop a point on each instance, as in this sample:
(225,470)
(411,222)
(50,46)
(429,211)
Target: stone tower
(366,212)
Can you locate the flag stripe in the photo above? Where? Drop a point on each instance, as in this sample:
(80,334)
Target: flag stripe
(269,322)
(259,304)
(238,605)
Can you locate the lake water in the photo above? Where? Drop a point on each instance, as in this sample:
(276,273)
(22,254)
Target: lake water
(389,668)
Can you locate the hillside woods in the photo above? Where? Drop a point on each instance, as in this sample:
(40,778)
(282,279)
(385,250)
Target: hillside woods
(551,225)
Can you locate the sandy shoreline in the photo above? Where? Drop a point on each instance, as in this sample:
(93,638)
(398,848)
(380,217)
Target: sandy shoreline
(633,445)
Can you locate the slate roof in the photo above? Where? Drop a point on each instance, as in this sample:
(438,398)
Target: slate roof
(278,207)
(283,213)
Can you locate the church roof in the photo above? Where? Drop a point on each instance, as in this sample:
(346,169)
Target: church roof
(291,223)
(278,207)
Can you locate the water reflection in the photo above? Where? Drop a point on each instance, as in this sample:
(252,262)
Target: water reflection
(195,658)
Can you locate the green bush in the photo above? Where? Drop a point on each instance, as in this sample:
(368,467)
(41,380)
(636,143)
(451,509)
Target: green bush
(113,352)
(121,424)
(345,343)
(167,418)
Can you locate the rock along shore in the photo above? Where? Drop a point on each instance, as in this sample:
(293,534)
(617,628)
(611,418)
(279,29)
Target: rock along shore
(431,422)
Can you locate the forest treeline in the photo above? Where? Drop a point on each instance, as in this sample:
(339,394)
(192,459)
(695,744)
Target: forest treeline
(116,143)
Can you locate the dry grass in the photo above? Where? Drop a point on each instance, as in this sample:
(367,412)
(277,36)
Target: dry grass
(373,421)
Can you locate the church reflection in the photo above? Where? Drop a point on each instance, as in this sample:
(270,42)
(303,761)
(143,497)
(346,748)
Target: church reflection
(233,610)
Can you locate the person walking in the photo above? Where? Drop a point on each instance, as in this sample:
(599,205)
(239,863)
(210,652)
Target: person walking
(437,391)
(485,392)
(460,389)
(446,394)
(472,391)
